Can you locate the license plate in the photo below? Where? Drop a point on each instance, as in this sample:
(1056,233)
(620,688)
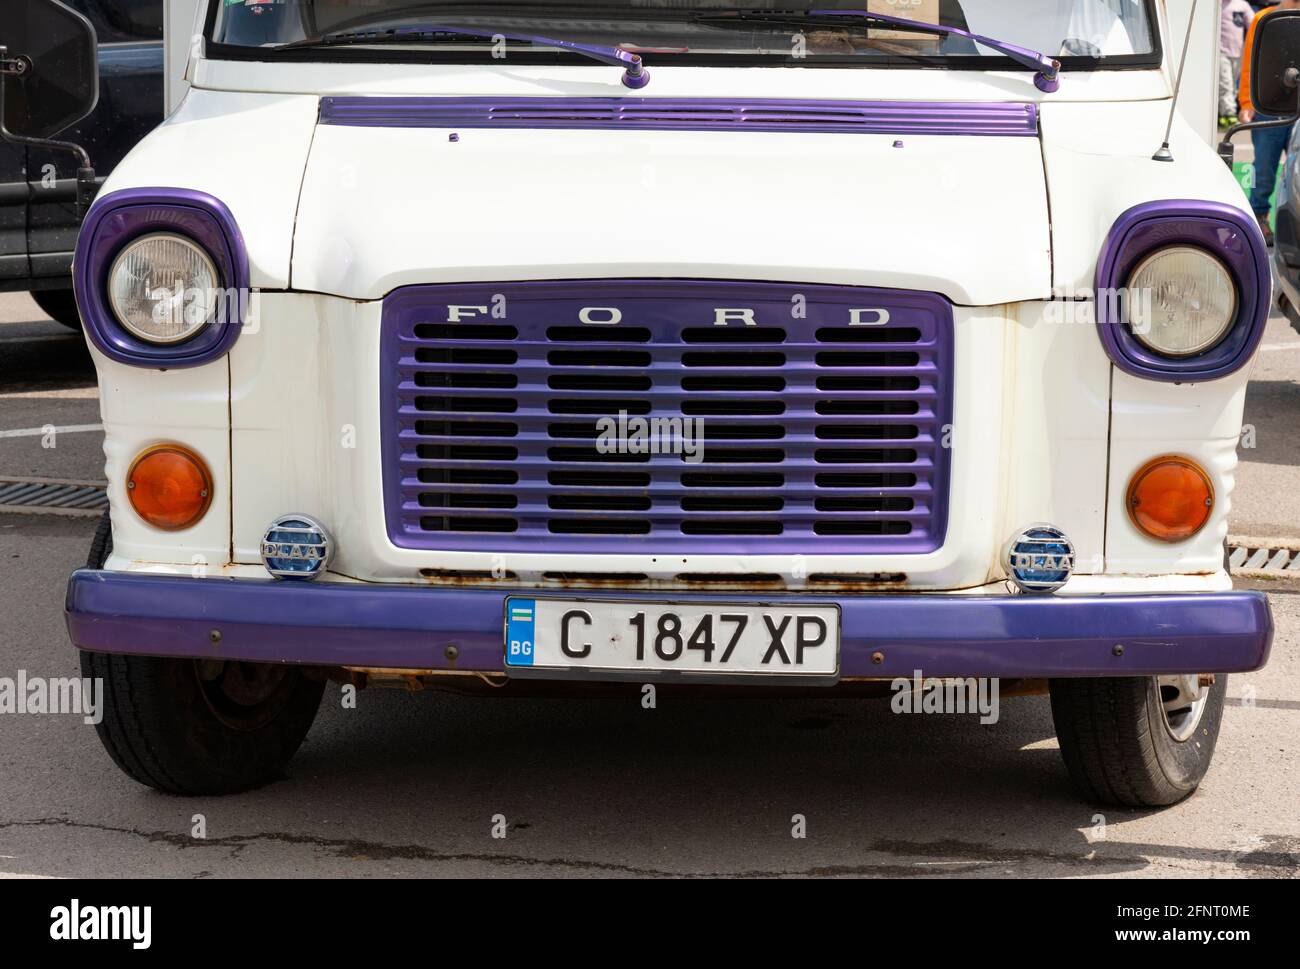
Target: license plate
(599,639)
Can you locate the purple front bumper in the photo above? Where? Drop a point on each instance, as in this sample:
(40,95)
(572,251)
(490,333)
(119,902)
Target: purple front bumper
(411,627)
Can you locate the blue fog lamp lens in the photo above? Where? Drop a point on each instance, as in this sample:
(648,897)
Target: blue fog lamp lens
(1039,559)
(296,547)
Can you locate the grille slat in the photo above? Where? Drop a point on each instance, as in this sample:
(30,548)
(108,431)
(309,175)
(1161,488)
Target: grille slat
(816,436)
(670,471)
(467,430)
(792,421)
(796,344)
(868,363)
(525,489)
(524,391)
(790,516)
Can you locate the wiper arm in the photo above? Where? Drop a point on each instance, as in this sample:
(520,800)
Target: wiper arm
(635,74)
(1047,70)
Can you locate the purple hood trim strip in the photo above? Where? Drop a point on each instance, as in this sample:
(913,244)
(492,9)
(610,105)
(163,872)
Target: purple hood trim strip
(1009,119)
(409,627)
(1223,230)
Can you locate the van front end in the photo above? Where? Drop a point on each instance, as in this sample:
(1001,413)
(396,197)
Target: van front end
(761,373)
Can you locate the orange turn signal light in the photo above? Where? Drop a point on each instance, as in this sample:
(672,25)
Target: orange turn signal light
(1170,498)
(169,486)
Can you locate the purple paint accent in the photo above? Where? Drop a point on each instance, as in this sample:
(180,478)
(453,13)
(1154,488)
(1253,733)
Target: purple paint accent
(1048,68)
(117,218)
(409,627)
(421,415)
(1005,119)
(634,75)
(453,137)
(636,79)
(1223,230)
(1048,85)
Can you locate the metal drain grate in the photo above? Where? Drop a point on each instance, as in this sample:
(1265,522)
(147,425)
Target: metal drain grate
(1269,556)
(52,496)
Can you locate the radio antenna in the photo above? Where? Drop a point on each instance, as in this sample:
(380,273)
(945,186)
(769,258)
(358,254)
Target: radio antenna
(1164,154)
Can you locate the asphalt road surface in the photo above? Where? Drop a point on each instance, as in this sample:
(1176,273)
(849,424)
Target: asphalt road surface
(416,784)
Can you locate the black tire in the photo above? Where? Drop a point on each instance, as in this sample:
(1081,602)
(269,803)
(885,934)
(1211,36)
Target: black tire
(184,727)
(59,305)
(1116,745)
(101,546)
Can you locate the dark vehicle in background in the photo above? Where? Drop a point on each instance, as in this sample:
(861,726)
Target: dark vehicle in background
(38,210)
(1286,246)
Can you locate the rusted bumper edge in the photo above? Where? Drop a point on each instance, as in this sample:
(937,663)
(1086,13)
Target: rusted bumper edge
(411,627)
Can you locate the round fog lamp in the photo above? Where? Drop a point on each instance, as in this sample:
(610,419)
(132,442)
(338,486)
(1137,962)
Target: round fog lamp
(169,486)
(296,547)
(1039,559)
(1170,498)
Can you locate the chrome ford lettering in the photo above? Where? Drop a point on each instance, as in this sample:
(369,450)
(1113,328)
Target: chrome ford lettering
(456,313)
(722,315)
(858,317)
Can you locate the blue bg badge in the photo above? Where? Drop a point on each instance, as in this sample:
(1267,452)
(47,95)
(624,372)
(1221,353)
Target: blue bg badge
(520,614)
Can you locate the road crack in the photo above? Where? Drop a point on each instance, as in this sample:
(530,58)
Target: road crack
(946,856)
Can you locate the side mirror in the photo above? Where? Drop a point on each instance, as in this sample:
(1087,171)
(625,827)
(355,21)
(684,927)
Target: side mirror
(1275,64)
(50,67)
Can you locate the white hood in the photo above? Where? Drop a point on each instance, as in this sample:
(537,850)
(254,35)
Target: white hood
(962,215)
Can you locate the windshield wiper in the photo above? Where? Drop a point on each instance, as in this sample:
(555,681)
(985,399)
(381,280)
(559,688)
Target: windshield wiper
(635,74)
(1047,69)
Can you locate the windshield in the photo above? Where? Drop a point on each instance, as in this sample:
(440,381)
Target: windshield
(1082,33)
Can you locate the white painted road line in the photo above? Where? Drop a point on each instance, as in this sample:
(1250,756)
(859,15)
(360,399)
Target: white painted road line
(70,393)
(41,510)
(1271,347)
(42,338)
(76,482)
(39,431)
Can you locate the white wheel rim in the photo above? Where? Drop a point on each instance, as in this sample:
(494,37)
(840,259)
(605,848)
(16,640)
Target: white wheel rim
(1182,701)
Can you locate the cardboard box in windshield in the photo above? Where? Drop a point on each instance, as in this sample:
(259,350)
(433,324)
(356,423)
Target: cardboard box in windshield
(925,11)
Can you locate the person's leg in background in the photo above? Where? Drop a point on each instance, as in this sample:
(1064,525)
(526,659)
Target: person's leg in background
(1269,143)
(1227,93)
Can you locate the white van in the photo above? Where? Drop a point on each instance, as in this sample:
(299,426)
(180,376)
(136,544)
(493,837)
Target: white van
(527,344)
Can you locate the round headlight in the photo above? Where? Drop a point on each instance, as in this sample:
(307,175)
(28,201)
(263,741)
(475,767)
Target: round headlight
(163,288)
(1180,301)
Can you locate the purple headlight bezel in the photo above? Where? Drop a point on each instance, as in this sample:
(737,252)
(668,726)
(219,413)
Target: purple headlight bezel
(120,217)
(1223,231)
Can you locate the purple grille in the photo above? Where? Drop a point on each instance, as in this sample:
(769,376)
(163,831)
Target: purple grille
(678,114)
(820,434)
